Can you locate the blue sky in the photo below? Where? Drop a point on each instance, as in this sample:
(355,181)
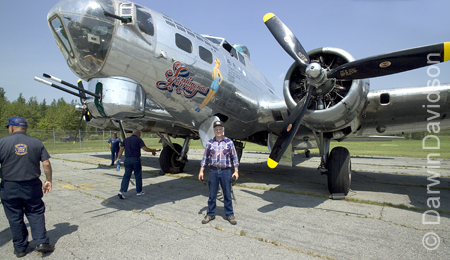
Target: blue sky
(362,27)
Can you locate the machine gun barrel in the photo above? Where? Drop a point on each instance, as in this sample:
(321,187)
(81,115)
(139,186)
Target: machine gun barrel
(58,87)
(71,85)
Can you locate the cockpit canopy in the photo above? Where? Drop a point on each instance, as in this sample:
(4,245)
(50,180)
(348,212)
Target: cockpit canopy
(242,48)
(235,50)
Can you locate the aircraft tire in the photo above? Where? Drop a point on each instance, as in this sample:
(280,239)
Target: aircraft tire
(168,162)
(307,153)
(339,171)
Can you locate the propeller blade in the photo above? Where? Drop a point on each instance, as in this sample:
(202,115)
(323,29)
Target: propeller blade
(82,93)
(393,62)
(83,97)
(289,130)
(286,39)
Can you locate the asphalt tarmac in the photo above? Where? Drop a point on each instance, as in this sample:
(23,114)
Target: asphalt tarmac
(283,213)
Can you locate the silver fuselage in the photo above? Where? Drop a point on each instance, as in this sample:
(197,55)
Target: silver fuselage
(156,85)
(153,73)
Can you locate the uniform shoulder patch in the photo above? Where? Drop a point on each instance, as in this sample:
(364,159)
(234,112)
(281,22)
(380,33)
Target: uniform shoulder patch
(21,149)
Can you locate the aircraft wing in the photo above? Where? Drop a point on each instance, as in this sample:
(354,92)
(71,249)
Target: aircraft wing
(407,110)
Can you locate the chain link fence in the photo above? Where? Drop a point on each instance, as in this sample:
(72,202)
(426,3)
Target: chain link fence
(96,141)
(80,141)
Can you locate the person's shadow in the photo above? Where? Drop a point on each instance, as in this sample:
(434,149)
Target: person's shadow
(55,234)
(5,236)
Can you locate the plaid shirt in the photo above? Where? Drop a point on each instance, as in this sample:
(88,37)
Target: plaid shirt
(220,153)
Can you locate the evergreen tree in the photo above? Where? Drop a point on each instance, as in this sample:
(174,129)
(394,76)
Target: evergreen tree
(4,106)
(33,114)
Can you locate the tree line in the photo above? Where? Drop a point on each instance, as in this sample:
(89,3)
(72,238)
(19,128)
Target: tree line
(58,115)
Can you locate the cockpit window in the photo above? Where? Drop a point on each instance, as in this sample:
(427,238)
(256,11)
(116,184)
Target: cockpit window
(230,49)
(145,22)
(216,41)
(61,33)
(227,46)
(241,58)
(97,8)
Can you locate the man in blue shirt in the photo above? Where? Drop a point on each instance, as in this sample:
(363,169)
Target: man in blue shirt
(21,189)
(132,146)
(220,156)
(114,145)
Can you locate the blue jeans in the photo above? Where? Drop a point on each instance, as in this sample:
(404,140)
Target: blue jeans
(223,177)
(132,164)
(24,198)
(114,154)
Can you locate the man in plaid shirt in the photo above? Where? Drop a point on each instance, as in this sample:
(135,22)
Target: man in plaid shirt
(220,156)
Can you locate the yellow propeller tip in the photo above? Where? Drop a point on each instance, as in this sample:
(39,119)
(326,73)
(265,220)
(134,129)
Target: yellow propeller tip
(268,16)
(79,80)
(446,51)
(271,163)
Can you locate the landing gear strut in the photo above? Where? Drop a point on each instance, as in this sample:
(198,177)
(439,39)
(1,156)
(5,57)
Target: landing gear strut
(173,157)
(239,146)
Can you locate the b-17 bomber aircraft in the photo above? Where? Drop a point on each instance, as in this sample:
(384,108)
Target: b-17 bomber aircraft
(146,71)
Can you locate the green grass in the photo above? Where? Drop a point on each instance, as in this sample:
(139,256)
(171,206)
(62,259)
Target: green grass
(89,146)
(408,148)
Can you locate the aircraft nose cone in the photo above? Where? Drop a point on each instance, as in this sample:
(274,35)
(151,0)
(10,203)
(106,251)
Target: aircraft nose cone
(83,33)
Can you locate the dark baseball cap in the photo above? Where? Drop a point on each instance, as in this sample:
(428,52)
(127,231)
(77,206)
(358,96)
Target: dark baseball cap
(16,121)
(217,123)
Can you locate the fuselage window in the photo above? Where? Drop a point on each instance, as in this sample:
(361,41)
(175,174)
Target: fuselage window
(170,23)
(199,38)
(145,22)
(181,28)
(190,33)
(205,54)
(183,43)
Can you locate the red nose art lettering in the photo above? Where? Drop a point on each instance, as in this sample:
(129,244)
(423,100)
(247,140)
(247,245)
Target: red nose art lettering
(178,78)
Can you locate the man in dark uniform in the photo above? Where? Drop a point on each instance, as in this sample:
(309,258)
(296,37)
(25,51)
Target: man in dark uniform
(21,189)
(114,145)
(220,156)
(132,146)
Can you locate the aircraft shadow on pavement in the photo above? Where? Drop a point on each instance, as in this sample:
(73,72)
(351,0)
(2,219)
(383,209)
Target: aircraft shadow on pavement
(296,181)
(413,186)
(146,160)
(178,189)
(166,192)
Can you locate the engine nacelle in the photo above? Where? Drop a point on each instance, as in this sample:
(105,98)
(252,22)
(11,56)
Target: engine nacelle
(336,105)
(121,98)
